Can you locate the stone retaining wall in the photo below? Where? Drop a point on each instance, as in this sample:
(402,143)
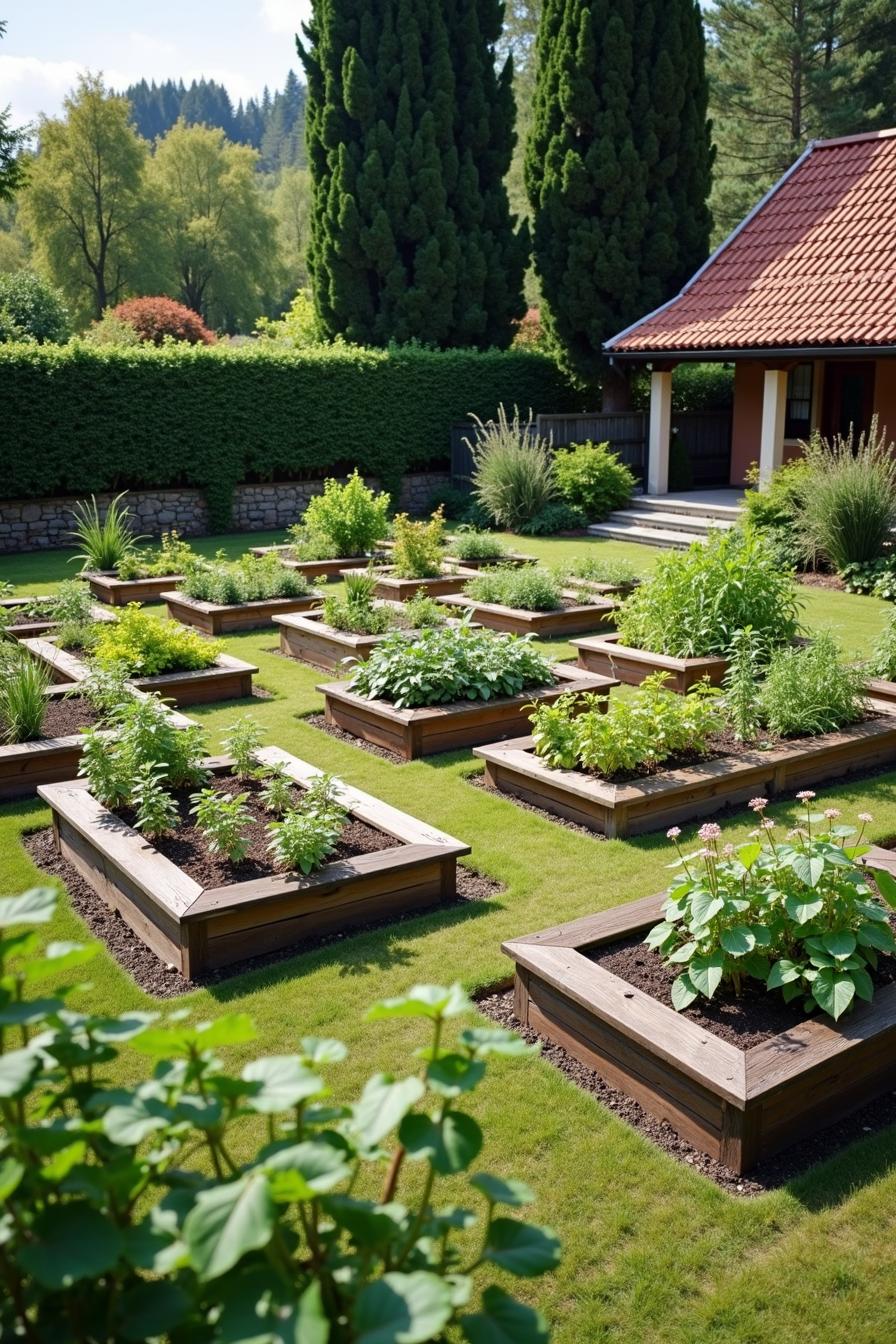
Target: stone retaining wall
(42,524)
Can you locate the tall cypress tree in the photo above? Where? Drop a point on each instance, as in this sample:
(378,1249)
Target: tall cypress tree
(409,134)
(618,167)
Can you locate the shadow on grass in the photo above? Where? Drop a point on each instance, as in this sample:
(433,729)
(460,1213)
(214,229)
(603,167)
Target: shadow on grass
(831,1182)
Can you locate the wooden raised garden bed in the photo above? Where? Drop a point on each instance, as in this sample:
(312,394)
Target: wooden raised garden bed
(570,619)
(309,638)
(227,679)
(422,732)
(605,655)
(393,589)
(670,797)
(199,929)
(35,625)
(25,765)
(316,569)
(511,559)
(737,1105)
(215,618)
(119,592)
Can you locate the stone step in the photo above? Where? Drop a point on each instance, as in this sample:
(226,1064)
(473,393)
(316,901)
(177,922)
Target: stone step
(646,536)
(668,521)
(694,507)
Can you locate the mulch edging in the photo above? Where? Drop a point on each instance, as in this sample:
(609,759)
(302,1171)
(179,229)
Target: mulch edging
(770,1174)
(162,982)
(319,721)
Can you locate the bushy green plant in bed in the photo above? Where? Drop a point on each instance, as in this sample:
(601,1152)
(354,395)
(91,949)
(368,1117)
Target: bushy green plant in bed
(251,578)
(445,665)
(348,519)
(172,557)
(849,507)
(356,612)
(147,647)
(696,599)
(468,544)
(419,546)
(811,689)
(593,480)
(528,589)
(592,566)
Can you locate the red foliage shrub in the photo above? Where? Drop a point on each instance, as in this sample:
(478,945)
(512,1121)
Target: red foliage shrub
(154,318)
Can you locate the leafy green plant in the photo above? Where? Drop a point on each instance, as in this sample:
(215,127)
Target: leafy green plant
(593,480)
(421,612)
(747,657)
(104,541)
(419,546)
(148,647)
(528,588)
(513,468)
(134,733)
(305,545)
(811,689)
(849,508)
(172,557)
(156,809)
(349,517)
(126,1215)
(308,833)
(554,517)
(468,544)
(242,741)
(251,578)
(357,611)
(71,602)
(24,682)
(276,793)
(775,511)
(883,657)
(797,914)
(105,688)
(696,599)
(448,664)
(625,733)
(595,568)
(223,820)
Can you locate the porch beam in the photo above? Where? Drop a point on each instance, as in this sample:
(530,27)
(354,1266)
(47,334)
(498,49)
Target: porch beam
(660,432)
(771,441)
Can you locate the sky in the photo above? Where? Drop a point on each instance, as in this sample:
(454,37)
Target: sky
(244,44)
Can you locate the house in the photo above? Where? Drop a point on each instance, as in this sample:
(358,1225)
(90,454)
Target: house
(801,298)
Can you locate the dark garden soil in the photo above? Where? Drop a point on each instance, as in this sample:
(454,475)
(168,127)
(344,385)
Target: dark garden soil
(478,782)
(768,1175)
(750,1020)
(67,715)
(320,721)
(165,982)
(814,580)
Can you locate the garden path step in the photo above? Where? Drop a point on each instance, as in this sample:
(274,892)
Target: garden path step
(647,536)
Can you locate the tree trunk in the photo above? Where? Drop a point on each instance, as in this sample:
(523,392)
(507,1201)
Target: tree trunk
(616,389)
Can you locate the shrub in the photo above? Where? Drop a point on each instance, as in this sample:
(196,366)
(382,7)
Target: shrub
(105,539)
(527,588)
(112,330)
(696,599)
(553,518)
(419,546)
(468,544)
(636,732)
(797,915)
(23,701)
(35,310)
(172,557)
(87,418)
(809,690)
(513,470)
(849,508)
(135,734)
(775,511)
(149,1226)
(149,647)
(251,578)
(348,518)
(449,664)
(593,480)
(598,568)
(155,318)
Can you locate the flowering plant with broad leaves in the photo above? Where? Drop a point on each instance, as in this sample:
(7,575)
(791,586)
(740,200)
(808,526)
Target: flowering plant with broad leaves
(146,1209)
(799,913)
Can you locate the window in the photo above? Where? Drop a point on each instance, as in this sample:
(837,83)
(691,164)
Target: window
(798,417)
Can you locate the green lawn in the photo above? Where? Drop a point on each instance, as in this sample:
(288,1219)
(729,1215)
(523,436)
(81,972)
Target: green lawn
(652,1251)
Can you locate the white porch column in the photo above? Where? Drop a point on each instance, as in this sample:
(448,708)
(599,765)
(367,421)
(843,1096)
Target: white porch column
(660,431)
(771,442)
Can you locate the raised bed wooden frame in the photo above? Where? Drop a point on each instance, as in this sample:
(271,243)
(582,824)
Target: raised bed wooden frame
(329,570)
(739,1106)
(512,559)
(227,679)
(216,618)
(35,627)
(308,638)
(393,589)
(411,733)
(560,624)
(106,587)
(675,796)
(605,655)
(199,930)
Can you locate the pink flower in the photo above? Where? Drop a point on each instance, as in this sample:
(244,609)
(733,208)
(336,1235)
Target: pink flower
(758,804)
(727,851)
(805,795)
(865,816)
(798,833)
(709,831)
(832,813)
(706,854)
(768,824)
(673,833)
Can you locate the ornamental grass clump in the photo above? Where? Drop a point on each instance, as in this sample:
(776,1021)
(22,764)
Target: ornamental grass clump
(147,1209)
(527,589)
(513,468)
(849,508)
(695,600)
(883,657)
(150,647)
(24,683)
(449,664)
(105,539)
(796,914)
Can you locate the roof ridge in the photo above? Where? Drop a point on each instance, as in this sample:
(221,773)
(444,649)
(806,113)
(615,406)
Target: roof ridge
(886,134)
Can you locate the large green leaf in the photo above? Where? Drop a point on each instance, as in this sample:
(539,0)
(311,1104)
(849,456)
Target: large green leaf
(452,1074)
(886,885)
(180,1038)
(484,1041)
(11,1174)
(833,992)
(704,907)
(279,1083)
(71,1242)
(305,1170)
(450,1145)
(60,957)
(28,1011)
(423,1001)
(17,1068)
(808,868)
(738,940)
(705,973)
(802,911)
(367,1223)
(131,1124)
(383,1104)
(499,1191)
(522,1248)
(402,1309)
(839,944)
(784,972)
(683,993)
(35,906)
(503,1320)
(226,1222)
(148,1310)
(879,936)
(323,1050)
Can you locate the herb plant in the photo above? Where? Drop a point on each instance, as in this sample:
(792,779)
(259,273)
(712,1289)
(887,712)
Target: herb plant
(422,612)
(448,664)
(276,793)
(696,599)
(156,809)
(741,703)
(148,647)
(798,914)
(418,549)
(883,658)
(103,540)
(528,588)
(23,700)
(595,568)
(308,833)
(127,1213)
(811,689)
(251,578)
(349,517)
(468,544)
(242,741)
(356,612)
(223,820)
(172,557)
(135,733)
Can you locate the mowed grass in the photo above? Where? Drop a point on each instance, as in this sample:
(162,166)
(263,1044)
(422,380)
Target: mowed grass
(652,1251)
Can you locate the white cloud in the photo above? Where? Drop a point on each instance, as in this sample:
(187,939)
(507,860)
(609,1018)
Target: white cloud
(285,16)
(33,86)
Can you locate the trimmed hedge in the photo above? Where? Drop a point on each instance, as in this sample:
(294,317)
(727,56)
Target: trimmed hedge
(81,418)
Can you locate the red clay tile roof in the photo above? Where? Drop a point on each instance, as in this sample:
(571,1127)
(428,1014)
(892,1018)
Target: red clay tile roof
(814,265)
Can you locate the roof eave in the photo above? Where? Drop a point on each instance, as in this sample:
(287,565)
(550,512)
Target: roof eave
(758,352)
